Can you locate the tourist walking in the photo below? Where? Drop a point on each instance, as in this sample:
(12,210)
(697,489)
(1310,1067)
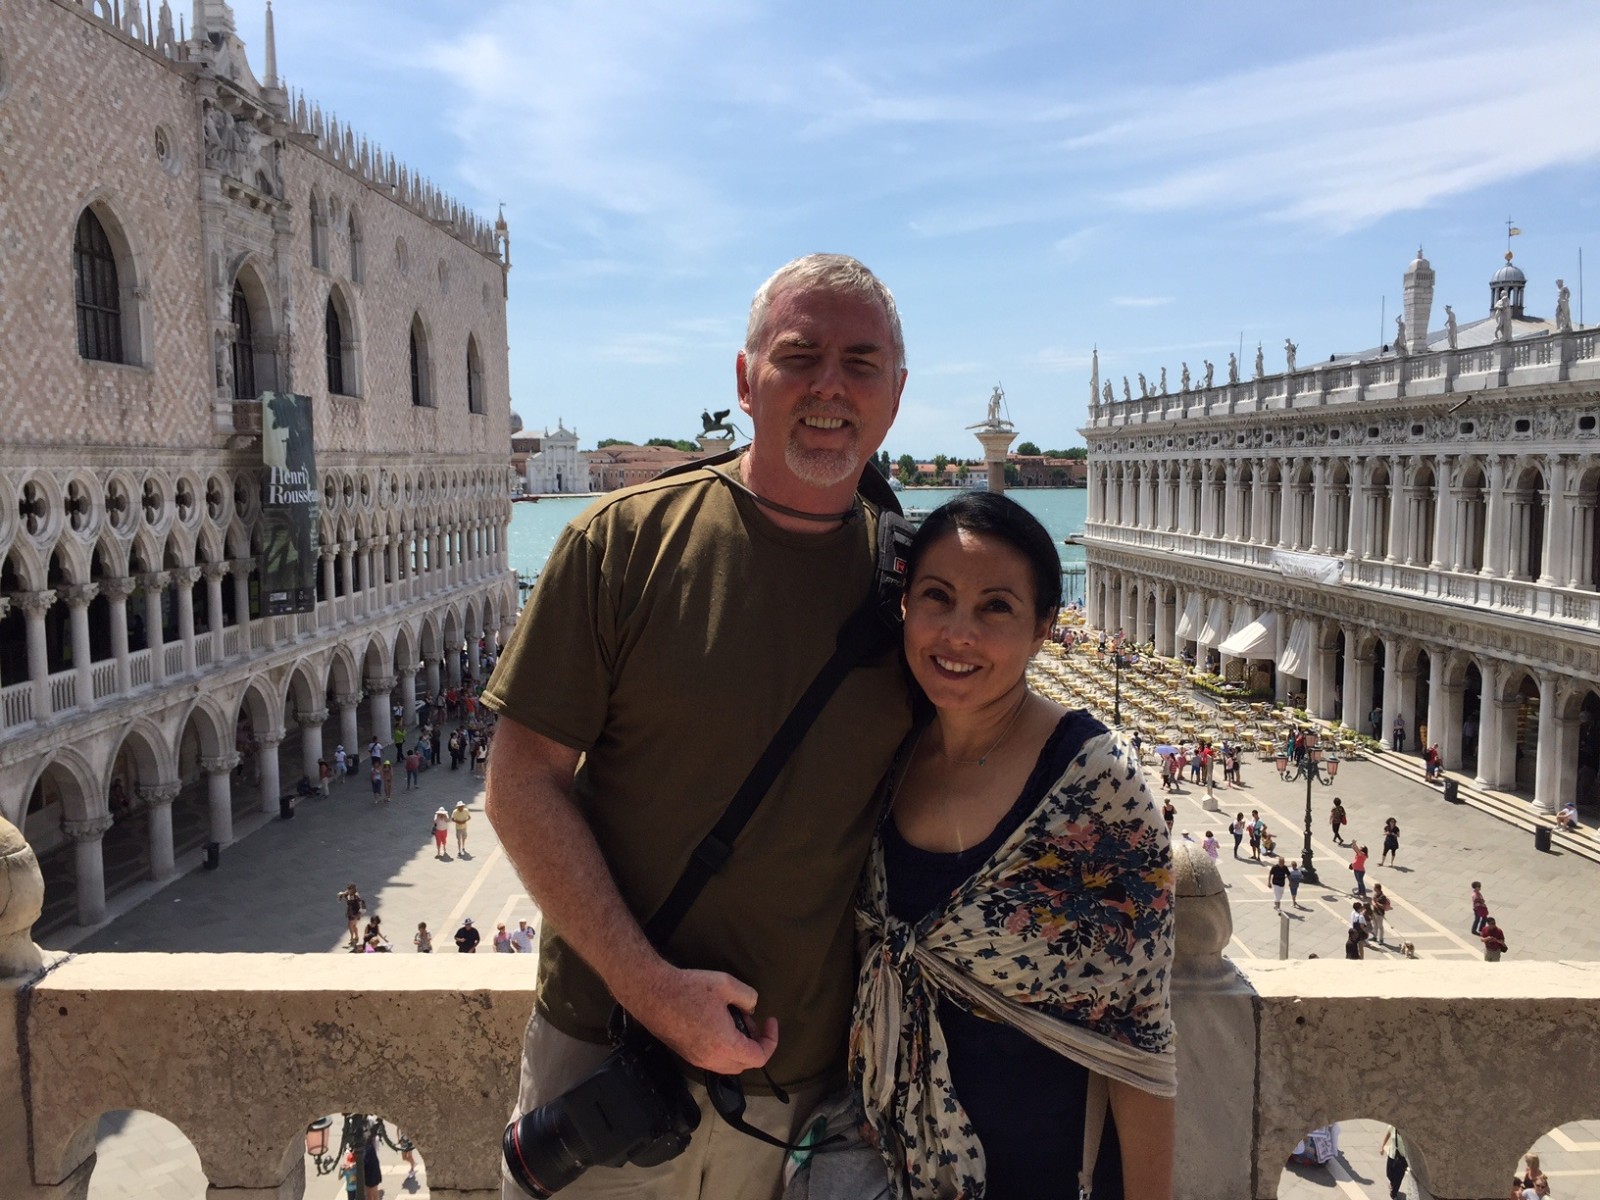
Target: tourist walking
(1169,814)
(1431,763)
(1295,875)
(1359,926)
(467,937)
(1399,733)
(377,782)
(441,830)
(1278,877)
(1395,1163)
(413,768)
(480,758)
(459,816)
(375,751)
(1381,904)
(1375,722)
(502,940)
(354,906)
(1338,819)
(341,763)
(1494,939)
(1359,866)
(1210,846)
(1237,830)
(422,939)
(522,938)
(1391,842)
(1257,828)
(1480,907)
(386,772)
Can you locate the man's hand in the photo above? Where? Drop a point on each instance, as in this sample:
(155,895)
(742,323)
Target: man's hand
(688,1012)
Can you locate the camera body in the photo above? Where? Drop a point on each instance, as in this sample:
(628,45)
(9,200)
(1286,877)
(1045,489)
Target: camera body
(635,1108)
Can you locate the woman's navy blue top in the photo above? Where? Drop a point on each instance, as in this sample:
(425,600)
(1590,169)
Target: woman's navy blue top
(1026,1102)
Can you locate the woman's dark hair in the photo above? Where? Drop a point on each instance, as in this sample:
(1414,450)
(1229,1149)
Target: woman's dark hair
(994,515)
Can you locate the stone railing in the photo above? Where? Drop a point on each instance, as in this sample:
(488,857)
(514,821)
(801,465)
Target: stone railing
(242,1051)
(1549,358)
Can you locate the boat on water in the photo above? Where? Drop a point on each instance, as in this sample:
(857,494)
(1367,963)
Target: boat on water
(916,516)
(1073,539)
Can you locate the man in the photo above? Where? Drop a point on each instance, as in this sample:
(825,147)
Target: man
(354,906)
(708,601)
(459,817)
(466,937)
(1278,876)
(522,938)
(1494,939)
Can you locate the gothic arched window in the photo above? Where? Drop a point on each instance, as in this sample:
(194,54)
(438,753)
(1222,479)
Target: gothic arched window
(244,347)
(421,368)
(475,400)
(99,298)
(334,350)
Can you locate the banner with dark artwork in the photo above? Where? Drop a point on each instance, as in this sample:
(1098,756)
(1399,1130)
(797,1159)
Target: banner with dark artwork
(289,549)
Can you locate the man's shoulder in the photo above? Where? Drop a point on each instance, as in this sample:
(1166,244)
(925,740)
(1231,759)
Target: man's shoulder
(637,501)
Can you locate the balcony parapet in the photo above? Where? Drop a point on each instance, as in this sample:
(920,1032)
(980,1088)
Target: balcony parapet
(241,1051)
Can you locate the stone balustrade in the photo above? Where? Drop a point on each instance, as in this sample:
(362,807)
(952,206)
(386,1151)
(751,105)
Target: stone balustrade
(1472,1061)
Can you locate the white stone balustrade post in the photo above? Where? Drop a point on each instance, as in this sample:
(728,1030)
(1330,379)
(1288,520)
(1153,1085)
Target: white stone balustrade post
(34,606)
(89,866)
(267,743)
(158,800)
(310,724)
(116,590)
(78,597)
(219,794)
(184,579)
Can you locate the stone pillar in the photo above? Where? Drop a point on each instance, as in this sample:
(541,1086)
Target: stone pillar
(1438,664)
(1319,505)
(391,558)
(153,583)
(241,568)
(1445,715)
(34,606)
(267,744)
(1230,500)
(1491,725)
(117,591)
(1391,687)
(78,596)
(1357,683)
(408,694)
(431,677)
(1443,550)
(219,794)
(347,574)
(1258,503)
(184,579)
(327,583)
(89,866)
(158,804)
(349,704)
(310,740)
(1547,771)
(363,576)
(452,654)
(1356,529)
(1165,620)
(215,573)
(378,690)
(1319,687)
(1495,519)
(1395,550)
(1557,566)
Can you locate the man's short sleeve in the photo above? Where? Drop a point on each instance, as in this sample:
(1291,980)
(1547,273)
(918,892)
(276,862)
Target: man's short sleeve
(555,675)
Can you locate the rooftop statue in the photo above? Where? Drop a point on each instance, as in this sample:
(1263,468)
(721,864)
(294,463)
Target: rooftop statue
(1400,336)
(717,423)
(1163,381)
(1502,320)
(1450,326)
(1261,362)
(1127,394)
(1563,307)
(1107,393)
(1210,371)
(1233,368)
(1144,388)
(1288,353)
(1183,380)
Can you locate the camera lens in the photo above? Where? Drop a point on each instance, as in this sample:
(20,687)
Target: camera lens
(542,1154)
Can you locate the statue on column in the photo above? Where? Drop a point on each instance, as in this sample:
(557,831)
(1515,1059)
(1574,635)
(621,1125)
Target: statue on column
(1183,379)
(1400,336)
(996,399)
(1210,371)
(1450,326)
(1563,307)
(1261,362)
(1289,349)
(1502,320)
(1163,381)
(1144,388)
(1233,368)
(1127,393)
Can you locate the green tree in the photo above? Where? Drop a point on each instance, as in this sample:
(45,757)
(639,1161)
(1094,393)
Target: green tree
(1028,448)
(962,472)
(675,443)
(940,462)
(604,442)
(883,464)
(1013,475)
(1075,452)
(908,470)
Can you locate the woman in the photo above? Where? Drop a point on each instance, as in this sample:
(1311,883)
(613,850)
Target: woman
(1391,842)
(1358,866)
(1016,912)
(1381,904)
(1237,829)
(441,830)
(502,940)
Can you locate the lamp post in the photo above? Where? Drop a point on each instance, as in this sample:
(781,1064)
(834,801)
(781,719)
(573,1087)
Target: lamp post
(1116,665)
(1308,872)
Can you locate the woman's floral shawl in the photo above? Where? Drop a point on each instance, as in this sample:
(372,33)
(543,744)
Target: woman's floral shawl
(1064,933)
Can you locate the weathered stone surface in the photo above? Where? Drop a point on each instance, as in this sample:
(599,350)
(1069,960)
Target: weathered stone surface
(241,1051)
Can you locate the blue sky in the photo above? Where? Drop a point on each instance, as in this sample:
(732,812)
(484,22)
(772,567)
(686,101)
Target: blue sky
(1031,179)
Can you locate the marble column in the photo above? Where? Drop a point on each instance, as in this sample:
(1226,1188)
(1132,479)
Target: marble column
(329,593)
(408,693)
(1356,518)
(153,583)
(1320,685)
(1391,688)
(431,677)
(310,724)
(1582,544)
(1446,714)
(1443,550)
(77,597)
(1492,724)
(379,688)
(116,591)
(391,558)
(349,706)
(1357,683)
(219,794)
(267,743)
(241,568)
(89,866)
(347,575)
(1093,598)
(1495,516)
(215,573)
(1165,621)
(1547,771)
(158,800)
(1555,569)
(34,606)
(1394,551)
(1319,505)
(183,580)
(1438,664)
(363,580)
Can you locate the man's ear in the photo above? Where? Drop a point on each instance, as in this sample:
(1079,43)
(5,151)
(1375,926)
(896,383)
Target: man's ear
(741,372)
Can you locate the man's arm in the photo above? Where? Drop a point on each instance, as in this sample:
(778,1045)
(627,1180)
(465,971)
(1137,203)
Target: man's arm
(528,799)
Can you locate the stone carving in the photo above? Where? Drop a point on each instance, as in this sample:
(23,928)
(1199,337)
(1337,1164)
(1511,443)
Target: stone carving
(1450,326)
(1107,392)
(1144,388)
(1127,394)
(222,352)
(1400,336)
(21,903)
(1289,349)
(1183,379)
(1163,381)
(1502,320)
(238,149)
(996,399)
(1210,371)
(1563,307)
(716,423)
(1233,368)
(1261,362)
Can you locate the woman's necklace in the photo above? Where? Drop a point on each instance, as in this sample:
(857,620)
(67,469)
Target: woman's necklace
(980,761)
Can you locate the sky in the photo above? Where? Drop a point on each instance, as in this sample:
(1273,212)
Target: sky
(1160,180)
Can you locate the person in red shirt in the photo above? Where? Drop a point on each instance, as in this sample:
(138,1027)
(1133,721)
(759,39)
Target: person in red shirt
(1494,940)
(1359,866)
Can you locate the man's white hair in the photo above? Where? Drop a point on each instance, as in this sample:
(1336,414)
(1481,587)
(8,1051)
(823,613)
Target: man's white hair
(830,273)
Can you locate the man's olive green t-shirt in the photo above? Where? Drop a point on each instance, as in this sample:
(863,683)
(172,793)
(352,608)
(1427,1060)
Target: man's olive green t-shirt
(671,632)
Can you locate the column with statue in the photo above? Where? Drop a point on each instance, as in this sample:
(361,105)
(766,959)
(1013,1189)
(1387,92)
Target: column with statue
(996,434)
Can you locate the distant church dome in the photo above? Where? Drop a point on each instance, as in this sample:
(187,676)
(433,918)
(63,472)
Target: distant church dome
(1507,285)
(1510,273)
(516,423)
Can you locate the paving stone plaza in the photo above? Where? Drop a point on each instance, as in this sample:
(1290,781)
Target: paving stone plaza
(276,891)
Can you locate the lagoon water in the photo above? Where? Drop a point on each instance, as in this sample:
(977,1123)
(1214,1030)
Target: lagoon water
(535,526)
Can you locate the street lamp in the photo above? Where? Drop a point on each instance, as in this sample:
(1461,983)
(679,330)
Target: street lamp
(1308,872)
(1116,664)
(352,1137)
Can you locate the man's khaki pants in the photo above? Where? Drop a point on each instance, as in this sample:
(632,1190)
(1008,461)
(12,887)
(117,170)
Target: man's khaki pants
(720,1164)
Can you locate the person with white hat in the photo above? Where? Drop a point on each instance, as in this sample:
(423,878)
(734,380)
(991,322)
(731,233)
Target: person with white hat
(441,829)
(341,764)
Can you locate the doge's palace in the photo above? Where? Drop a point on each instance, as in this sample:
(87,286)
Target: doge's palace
(179,236)
(1404,539)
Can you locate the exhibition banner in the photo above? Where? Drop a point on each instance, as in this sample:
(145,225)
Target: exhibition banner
(289,550)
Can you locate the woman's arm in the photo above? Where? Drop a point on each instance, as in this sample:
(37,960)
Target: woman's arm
(1146,1127)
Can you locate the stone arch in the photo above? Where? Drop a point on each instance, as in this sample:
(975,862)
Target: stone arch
(428,638)
(375,661)
(342,341)
(304,687)
(77,794)
(132,277)
(256,320)
(344,676)
(260,705)
(69,562)
(213,732)
(405,653)
(422,372)
(317,210)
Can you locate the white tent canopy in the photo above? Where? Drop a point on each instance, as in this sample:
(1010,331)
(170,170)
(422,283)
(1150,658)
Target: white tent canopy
(1257,639)
(1296,657)
(1216,626)
(1189,623)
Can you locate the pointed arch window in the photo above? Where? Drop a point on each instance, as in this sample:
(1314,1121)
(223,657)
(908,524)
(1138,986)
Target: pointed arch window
(319,234)
(98,294)
(333,330)
(421,368)
(244,347)
(475,398)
